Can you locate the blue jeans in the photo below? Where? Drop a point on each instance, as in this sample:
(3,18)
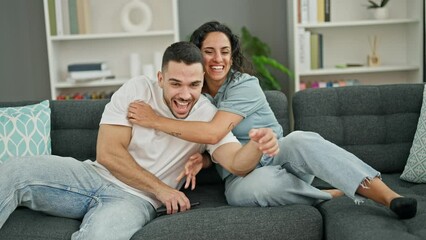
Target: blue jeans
(69,188)
(287,178)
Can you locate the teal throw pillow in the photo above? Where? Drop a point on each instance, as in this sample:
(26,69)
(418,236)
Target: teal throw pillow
(25,131)
(415,168)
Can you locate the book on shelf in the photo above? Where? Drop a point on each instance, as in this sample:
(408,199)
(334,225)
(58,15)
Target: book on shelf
(327,11)
(313,11)
(65,17)
(321,11)
(304,49)
(69,17)
(316,51)
(89,75)
(73,18)
(303,11)
(90,66)
(83,16)
(321,51)
(59,18)
(52,16)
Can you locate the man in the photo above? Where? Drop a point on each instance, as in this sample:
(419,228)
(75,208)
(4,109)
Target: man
(136,167)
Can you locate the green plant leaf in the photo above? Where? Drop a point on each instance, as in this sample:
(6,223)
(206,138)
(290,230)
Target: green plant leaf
(384,2)
(373,4)
(253,45)
(259,52)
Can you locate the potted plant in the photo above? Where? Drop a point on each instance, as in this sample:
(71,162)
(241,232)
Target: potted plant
(259,53)
(379,9)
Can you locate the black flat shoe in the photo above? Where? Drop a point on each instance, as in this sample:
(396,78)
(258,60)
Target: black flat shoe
(404,207)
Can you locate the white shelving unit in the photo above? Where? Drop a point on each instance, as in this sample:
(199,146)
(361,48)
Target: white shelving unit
(109,42)
(346,41)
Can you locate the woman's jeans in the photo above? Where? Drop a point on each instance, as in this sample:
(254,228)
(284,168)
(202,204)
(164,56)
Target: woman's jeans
(69,188)
(287,178)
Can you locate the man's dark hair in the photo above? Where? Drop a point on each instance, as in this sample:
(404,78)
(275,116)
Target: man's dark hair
(239,61)
(182,52)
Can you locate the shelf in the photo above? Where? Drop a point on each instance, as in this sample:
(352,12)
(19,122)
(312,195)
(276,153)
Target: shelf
(357,23)
(92,83)
(112,35)
(106,41)
(355,70)
(346,39)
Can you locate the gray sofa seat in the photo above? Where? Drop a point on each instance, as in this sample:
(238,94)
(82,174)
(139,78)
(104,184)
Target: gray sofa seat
(74,133)
(376,123)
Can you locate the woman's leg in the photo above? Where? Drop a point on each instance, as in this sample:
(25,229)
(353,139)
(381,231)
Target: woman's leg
(271,186)
(308,154)
(378,191)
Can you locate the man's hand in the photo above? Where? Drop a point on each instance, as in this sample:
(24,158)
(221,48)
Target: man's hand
(266,139)
(192,168)
(142,114)
(174,200)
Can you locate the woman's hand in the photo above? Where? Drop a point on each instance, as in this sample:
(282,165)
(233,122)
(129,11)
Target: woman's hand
(192,168)
(142,114)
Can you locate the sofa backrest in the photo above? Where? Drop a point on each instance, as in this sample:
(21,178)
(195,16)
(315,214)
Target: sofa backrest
(278,102)
(74,127)
(376,123)
(75,124)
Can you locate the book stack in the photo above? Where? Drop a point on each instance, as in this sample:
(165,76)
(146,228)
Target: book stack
(304,38)
(88,71)
(69,17)
(310,50)
(313,11)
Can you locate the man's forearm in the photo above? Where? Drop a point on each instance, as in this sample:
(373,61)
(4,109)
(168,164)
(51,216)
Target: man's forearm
(246,159)
(132,174)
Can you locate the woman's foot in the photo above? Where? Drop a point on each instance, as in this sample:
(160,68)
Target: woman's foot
(334,192)
(404,207)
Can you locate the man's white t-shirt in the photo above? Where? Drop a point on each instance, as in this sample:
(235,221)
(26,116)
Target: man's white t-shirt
(161,154)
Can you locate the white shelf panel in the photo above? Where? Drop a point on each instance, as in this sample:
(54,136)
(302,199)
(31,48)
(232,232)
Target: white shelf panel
(346,39)
(92,83)
(106,41)
(112,35)
(357,23)
(355,70)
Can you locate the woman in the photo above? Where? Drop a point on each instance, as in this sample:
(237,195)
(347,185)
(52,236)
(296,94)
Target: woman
(278,180)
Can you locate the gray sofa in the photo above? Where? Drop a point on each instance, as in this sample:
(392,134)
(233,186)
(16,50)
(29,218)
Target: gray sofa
(74,129)
(375,123)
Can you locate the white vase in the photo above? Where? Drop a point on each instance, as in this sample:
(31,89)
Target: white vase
(380,13)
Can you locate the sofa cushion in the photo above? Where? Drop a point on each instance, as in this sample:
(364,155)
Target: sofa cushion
(415,169)
(25,131)
(24,224)
(227,222)
(343,219)
(365,120)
